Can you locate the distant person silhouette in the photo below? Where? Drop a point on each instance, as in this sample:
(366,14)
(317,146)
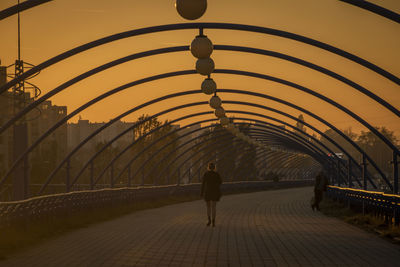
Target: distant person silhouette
(321,183)
(210,190)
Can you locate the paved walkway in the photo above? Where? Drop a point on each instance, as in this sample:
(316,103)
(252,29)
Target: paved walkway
(271,228)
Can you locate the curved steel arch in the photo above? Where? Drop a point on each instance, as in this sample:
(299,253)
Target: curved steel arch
(5,13)
(384,12)
(160,149)
(212,145)
(309,91)
(228,111)
(188,149)
(227,150)
(185,48)
(151,102)
(182,26)
(109,123)
(222,71)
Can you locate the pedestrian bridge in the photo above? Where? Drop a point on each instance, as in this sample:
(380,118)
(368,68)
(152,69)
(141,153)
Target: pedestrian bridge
(267,228)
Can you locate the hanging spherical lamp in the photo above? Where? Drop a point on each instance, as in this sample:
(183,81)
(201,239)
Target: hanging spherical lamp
(215,102)
(224,121)
(219,112)
(205,66)
(201,47)
(208,86)
(191,9)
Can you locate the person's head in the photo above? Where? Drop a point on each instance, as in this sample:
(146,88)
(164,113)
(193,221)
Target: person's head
(211,166)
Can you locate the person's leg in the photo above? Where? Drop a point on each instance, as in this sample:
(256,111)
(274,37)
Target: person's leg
(208,212)
(214,211)
(314,201)
(318,198)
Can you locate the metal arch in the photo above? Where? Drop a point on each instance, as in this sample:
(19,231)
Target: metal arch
(160,149)
(329,162)
(227,149)
(384,12)
(312,66)
(293,160)
(305,123)
(319,119)
(111,121)
(159,77)
(297,163)
(309,91)
(83,142)
(155,141)
(341,173)
(209,147)
(314,163)
(182,26)
(181,154)
(5,13)
(137,140)
(185,48)
(148,103)
(224,142)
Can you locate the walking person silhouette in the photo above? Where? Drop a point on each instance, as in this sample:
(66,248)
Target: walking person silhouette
(210,190)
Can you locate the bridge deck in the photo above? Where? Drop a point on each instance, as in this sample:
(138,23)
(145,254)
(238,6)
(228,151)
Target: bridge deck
(258,229)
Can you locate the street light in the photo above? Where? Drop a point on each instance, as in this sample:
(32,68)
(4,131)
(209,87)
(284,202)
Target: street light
(191,9)
(205,66)
(201,47)
(215,102)
(208,86)
(220,112)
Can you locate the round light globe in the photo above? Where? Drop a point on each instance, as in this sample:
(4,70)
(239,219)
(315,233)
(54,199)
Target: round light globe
(208,86)
(224,121)
(215,102)
(201,47)
(205,66)
(191,9)
(219,112)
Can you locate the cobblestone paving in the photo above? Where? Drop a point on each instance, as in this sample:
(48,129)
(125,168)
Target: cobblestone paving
(270,228)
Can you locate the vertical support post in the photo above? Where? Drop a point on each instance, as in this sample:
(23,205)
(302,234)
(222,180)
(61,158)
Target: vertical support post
(67,178)
(129,176)
(349,173)
(200,176)
(178,182)
(338,172)
(395,163)
(91,169)
(364,172)
(112,176)
(395,173)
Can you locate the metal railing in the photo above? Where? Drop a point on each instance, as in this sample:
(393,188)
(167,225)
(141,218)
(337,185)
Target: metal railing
(379,204)
(49,207)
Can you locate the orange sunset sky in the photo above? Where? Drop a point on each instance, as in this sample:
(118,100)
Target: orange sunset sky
(58,26)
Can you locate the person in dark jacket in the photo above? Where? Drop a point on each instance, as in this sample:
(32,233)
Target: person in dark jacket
(321,183)
(211,192)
